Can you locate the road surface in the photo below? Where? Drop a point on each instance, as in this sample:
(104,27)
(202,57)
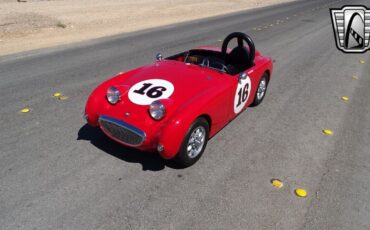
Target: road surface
(58,173)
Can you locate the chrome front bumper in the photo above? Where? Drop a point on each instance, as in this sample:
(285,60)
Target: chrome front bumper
(121,131)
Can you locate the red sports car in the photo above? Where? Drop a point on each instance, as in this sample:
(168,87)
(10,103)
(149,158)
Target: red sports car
(174,105)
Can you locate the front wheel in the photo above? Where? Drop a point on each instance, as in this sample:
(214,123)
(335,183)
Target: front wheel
(261,90)
(194,143)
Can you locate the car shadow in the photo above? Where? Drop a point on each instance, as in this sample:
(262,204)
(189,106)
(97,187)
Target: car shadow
(149,161)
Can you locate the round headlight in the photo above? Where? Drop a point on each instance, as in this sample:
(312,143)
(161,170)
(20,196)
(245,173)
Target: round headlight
(113,95)
(157,110)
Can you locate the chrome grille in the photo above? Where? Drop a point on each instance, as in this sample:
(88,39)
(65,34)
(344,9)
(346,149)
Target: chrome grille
(121,131)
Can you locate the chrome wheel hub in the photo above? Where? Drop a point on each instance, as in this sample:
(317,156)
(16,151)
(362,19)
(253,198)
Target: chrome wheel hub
(261,89)
(196,142)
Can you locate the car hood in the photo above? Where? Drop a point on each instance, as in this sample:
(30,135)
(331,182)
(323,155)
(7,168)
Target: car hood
(188,82)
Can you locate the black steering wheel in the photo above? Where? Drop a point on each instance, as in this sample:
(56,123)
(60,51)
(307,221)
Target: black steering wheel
(240,57)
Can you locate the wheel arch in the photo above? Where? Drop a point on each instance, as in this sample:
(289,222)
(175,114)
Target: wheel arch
(268,75)
(208,119)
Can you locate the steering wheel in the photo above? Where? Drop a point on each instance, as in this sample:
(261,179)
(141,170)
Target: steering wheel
(205,62)
(214,64)
(241,37)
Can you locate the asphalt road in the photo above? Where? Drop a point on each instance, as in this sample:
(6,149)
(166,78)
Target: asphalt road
(58,173)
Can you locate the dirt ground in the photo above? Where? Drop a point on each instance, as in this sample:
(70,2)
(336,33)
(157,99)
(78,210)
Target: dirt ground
(32,24)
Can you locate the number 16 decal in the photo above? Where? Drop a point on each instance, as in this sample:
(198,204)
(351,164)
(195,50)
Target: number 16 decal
(242,94)
(145,92)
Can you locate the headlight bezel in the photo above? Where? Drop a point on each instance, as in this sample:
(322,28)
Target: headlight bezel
(113,95)
(157,110)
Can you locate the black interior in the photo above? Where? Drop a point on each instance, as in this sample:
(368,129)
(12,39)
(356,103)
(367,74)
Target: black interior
(238,60)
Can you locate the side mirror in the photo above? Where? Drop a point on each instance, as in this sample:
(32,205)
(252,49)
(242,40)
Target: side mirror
(159,57)
(242,76)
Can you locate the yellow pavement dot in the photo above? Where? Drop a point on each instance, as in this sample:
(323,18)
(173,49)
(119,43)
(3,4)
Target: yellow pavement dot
(328,131)
(277,183)
(354,77)
(62,98)
(300,192)
(362,61)
(25,110)
(344,98)
(57,94)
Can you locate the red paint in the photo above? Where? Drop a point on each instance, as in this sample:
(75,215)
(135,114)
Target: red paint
(199,91)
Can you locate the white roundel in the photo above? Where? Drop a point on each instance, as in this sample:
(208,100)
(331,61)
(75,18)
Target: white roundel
(242,94)
(145,92)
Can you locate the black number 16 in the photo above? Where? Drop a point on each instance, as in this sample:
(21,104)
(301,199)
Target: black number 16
(243,94)
(153,92)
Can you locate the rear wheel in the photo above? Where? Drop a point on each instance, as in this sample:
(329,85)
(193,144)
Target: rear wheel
(194,143)
(261,90)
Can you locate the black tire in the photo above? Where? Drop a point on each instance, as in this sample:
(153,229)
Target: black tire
(182,158)
(257,100)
